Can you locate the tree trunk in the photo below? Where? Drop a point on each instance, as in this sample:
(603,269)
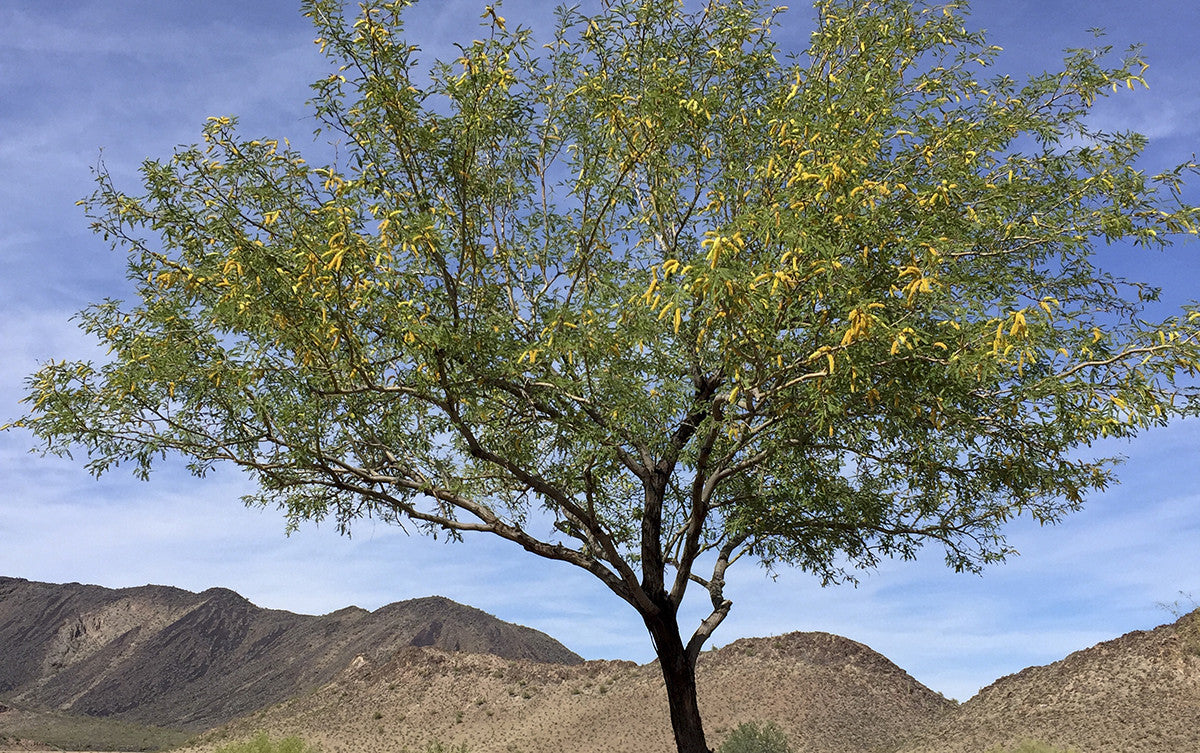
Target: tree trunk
(679,675)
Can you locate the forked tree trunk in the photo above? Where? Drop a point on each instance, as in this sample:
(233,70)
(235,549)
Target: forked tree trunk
(679,675)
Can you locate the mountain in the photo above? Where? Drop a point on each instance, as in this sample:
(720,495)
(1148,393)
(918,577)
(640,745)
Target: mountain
(830,694)
(1139,693)
(85,663)
(164,656)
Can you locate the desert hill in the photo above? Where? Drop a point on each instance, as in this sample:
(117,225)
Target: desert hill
(169,657)
(88,663)
(1139,693)
(830,694)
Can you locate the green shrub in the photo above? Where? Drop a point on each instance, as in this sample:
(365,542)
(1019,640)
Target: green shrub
(750,737)
(1029,746)
(260,743)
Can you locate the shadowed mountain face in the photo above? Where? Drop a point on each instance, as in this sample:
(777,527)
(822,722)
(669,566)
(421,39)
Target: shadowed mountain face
(173,658)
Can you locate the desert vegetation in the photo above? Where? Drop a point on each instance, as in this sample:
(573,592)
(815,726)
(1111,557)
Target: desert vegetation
(1030,746)
(752,737)
(262,743)
(748,737)
(78,732)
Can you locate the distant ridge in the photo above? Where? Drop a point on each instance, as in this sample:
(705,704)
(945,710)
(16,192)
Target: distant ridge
(1139,693)
(165,656)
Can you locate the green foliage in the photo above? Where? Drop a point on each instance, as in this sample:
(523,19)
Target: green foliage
(1029,746)
(261,743)
(64,731)
(750,737)
(657,277)
(437,746)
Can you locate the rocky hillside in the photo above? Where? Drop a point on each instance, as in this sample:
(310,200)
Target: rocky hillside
(1139,693)
(430,669)
(830,694)
(173,658)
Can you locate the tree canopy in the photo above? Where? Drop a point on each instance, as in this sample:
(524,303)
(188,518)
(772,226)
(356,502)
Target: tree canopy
(651,297)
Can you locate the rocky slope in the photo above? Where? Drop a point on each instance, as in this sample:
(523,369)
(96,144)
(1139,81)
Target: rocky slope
(169,657)
(830,694)
(1139,693)
(430,669)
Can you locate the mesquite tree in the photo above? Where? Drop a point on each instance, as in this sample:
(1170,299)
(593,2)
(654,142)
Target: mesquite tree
(650,298)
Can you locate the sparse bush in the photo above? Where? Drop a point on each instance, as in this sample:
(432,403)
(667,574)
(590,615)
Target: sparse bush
(1181,607)
(1186,612)
(750,737)
(260,743)
(437,746)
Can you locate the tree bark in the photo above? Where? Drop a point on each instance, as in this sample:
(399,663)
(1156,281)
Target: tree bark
(679,676)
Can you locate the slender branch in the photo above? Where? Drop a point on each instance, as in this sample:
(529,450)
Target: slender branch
(532,480)
(716,592)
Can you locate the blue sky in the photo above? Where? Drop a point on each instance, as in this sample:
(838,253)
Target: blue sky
(130,80)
